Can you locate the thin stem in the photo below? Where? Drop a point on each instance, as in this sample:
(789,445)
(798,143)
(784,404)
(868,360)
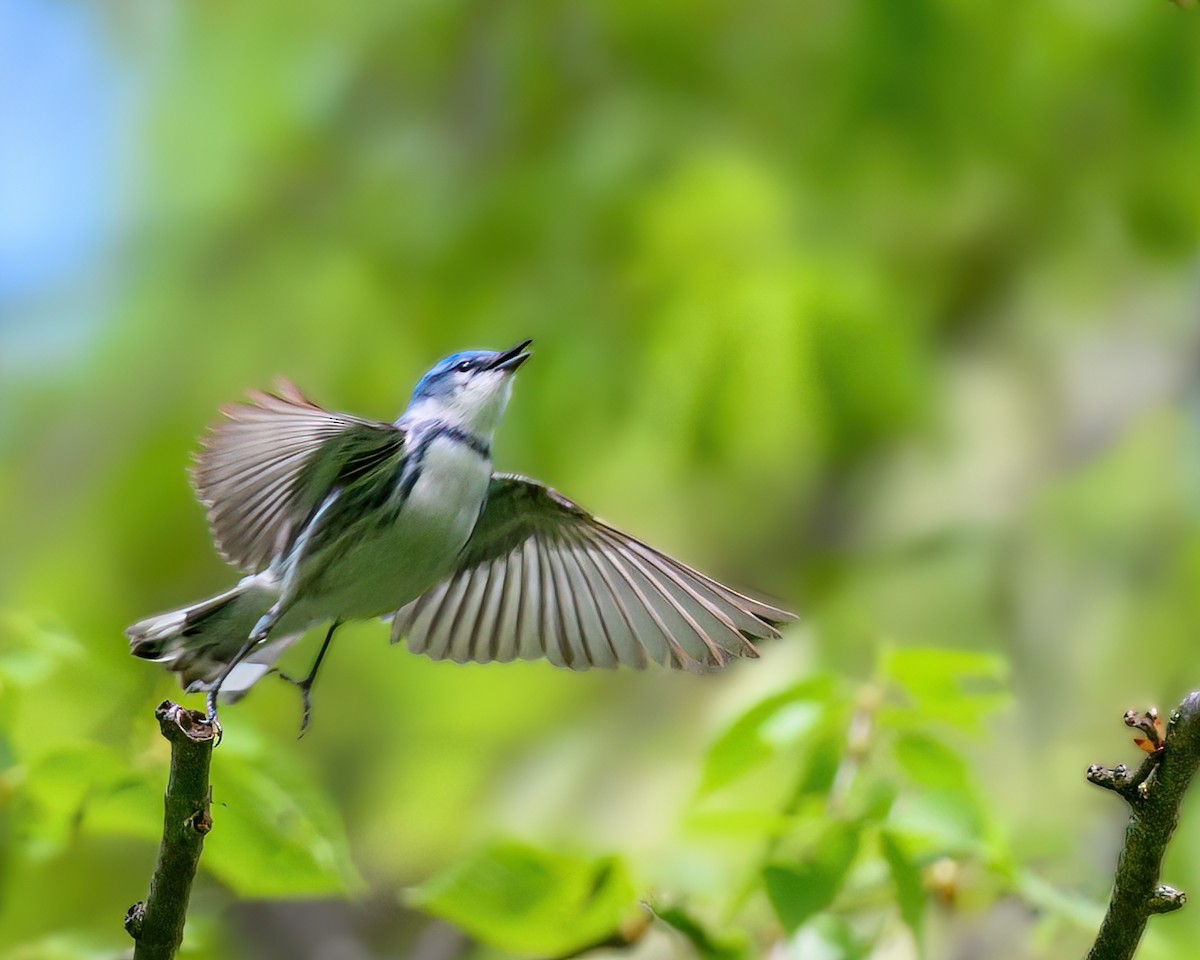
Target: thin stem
(156,924)
(1154,794)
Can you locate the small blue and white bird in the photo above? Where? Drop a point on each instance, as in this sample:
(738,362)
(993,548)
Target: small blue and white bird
(333,518)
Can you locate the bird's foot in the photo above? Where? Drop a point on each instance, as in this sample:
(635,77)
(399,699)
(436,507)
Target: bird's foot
(210,716)
(305,687)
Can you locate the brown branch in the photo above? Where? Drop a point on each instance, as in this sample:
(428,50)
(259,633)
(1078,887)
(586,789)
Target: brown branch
(156,923)
(1154,792)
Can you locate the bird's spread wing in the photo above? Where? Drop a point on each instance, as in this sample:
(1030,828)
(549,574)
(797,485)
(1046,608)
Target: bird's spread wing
(264,470)
(541,577)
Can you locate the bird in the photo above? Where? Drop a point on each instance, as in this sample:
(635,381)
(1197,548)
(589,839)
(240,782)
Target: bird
(333,518)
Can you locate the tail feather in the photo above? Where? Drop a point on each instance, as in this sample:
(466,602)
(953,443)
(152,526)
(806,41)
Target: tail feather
(197,641)
(162,636)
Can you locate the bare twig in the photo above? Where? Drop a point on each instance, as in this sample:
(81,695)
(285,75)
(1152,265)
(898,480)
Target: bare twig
(1154,792)
(156,923)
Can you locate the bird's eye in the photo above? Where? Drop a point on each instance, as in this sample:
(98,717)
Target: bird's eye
(463,366)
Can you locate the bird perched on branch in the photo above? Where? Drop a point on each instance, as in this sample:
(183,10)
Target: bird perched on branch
(334,517)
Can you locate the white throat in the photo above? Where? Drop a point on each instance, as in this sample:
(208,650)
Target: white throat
(476,407)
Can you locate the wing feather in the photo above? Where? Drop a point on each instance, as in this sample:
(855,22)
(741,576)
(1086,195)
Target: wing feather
(554,638)
(516,594)
(542,578)
(502,647)
(692,640)
(417,618)
(631,649)
(530,636)
(694,596)
(651,628)
(452,609)
(574,651)
(596,638)
(472,643)
(262,471)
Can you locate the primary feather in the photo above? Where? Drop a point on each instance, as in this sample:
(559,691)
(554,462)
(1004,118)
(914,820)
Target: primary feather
(542,577)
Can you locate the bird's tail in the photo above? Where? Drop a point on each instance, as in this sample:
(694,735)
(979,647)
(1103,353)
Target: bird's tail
(197,641)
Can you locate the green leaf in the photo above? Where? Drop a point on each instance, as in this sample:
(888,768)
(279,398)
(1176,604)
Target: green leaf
(910,890)
(953,687)
(870,801)
(935,669)
(531,901)
(776,723)
(1081,911)
(946,814)
(799,891)
(831,937)
(275,834)
(30,650)
(708,946)
(930,763)
(741,822)
(87,788)
(130,807)
(825,757)
(939,823)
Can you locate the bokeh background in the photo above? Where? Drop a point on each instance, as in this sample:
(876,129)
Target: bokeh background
(888,310)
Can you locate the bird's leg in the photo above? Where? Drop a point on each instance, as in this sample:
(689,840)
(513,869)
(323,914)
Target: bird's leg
(264,626)
(306,684)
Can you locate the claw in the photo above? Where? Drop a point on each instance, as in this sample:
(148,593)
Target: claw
(306,716)
(306,684)
(210,717)
(305,687)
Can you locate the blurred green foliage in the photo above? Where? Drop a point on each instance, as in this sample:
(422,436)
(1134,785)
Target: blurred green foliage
(888,309)
(531,901)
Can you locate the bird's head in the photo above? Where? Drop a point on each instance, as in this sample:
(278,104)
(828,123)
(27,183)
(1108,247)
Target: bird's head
(470,389)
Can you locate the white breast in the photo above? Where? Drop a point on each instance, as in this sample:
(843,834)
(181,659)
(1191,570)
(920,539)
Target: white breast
(393,565)
(445,501)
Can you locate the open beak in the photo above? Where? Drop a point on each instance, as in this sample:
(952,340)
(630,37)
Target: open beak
(511,359)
